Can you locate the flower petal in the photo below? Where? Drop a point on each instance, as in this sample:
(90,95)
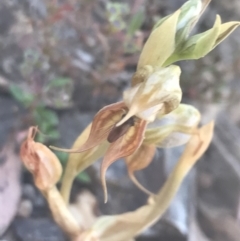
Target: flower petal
(103,123)
(173,129)
(138,161)
(160,91)
(77,162)
(122,147)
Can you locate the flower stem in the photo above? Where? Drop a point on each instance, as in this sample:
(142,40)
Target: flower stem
(61,214)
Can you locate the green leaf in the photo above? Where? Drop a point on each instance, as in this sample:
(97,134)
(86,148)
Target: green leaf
(198,45)
(53,134)
(83,177)
(59,82)
(62,156)
(201,44)
(47,121)
(21,95)
(136,22)
(48,116)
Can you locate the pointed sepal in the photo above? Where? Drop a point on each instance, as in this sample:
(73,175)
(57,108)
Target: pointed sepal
(138,161)
(122,147)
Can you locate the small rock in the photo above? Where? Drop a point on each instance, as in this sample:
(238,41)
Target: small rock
(42,229)
(33,195)
(28,192)
(25,208)
(72,123)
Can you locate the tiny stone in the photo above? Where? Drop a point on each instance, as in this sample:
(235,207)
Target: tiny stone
(41,229)
(25,208)
(29,192)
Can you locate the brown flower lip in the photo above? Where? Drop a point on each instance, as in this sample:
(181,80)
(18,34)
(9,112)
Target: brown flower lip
(118,131)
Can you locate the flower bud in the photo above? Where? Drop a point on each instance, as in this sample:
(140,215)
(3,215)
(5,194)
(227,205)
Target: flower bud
(40,161)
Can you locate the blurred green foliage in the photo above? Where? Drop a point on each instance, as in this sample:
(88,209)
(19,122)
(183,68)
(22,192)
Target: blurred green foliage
(22,96)
(116,11)
(136,22)
(45,119)
(59,82)
(118,15)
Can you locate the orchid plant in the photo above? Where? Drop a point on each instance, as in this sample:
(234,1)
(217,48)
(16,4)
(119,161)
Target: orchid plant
(149,116)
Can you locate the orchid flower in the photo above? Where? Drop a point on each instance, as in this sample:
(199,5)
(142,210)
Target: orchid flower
(148,117)
(155,93)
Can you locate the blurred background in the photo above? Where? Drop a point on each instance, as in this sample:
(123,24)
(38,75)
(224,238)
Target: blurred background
(63,60)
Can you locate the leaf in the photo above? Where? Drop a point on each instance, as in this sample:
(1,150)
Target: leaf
(59,82)
(43,115)
(84,177)
(130,224)
(53,134)
(198,45)
(21,95)
(122,147)
(136,22)
(47,121)
(160,44)
(201,44)
(62,156)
